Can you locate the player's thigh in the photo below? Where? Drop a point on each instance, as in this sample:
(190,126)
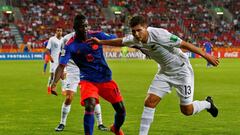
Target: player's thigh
(159,86)
(185,91)
(53,67)
(110,92)
(71,83)
(88,90)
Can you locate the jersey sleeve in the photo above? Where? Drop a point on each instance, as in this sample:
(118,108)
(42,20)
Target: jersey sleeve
(49,44)
(128,41)
(166,38)
(105,36)
(65,55)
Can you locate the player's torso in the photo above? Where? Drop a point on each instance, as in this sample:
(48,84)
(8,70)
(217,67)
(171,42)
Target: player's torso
(72,68)
(55,47)
(86,53)
(90,59)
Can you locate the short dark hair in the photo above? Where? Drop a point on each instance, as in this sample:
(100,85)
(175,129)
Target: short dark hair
(78,20)
(136,20)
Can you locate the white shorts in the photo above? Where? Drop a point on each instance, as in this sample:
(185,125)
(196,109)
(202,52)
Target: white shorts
(71,82)
(53,67)
(182,81)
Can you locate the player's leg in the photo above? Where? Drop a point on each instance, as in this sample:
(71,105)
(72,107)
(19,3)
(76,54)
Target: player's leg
(98,114)
(70,88)
(89,104)
(191,108)
(150,104)
(63,80)
(110,92)
(156,92)
(46,60)
(187,105)
(119,118)
(66,107)
(52,70)
(89,98)
(45,67)
(50,79)
(208,63)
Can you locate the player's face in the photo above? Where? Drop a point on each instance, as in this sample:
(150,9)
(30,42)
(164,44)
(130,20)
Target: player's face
(59,32)
(83,27)
(140,33)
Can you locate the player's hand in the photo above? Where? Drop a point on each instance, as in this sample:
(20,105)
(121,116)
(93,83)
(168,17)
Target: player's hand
(93,40)
(212,59)
(53,89)
(51,59)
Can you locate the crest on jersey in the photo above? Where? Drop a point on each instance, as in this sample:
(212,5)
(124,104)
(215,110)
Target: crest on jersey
(174,38)
(95,47)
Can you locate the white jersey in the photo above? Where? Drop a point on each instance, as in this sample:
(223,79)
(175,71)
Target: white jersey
(71,67)
(54,44)
(161,46)
(72,71)
(175,69)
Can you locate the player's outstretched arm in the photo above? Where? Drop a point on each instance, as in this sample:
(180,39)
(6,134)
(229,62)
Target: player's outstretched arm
(57,76)
(113,42)
(212,59)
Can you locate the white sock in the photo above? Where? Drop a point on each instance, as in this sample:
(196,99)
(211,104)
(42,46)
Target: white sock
(98,114)
(198,106)
(147,118)
(65,110)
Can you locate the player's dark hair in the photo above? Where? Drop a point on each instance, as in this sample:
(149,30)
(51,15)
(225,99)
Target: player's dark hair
(136,20)
(78,23)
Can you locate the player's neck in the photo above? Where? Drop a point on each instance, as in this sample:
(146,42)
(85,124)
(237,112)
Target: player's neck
(145,38)
(58,36)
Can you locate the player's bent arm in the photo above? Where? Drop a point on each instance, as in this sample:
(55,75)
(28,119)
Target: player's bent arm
(112,42)
(185,45)
(47,52)
(58,74)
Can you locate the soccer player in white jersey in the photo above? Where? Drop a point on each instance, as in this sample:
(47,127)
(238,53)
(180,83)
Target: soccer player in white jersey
(72,81)
(53,51)
(176,70)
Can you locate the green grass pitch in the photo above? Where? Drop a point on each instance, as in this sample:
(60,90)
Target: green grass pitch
(26,109)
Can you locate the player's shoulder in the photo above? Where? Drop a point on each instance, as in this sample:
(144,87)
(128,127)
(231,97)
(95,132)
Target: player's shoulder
(157,34)
(69,38)
(92,33)
(51,38)
(156,30)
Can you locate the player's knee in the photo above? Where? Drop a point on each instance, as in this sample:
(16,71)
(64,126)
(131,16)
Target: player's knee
(151,102)
(90,104)
(89,107)
(69,99)
(186,111)
(119,108)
